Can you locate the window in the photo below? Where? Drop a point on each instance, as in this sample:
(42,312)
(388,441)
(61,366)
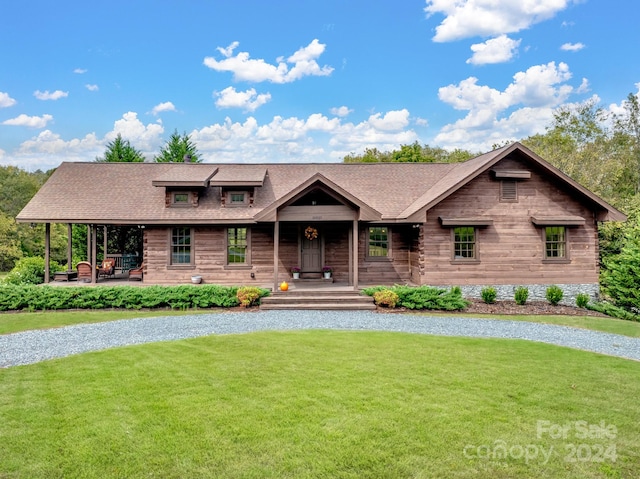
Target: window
(236,198)
(464,242)
(378,242)
(237,246)
(181,198)
(181,246)
(555,242)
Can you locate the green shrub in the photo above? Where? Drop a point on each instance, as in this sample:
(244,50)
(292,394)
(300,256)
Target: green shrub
(30,271)
(386,297)
(582,300)
(620,276)
(33,298)
(425,297)
(521,295)
(249,295)
(489,295)
(613,311)
(554,294)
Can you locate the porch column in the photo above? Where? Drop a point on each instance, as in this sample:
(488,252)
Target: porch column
(47,251)
(354,259)
(94,252)
(88,243)
(69,246)
(276,257)
(104,248)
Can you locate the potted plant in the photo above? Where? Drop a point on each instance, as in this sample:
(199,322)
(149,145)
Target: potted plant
(326,271)
(295,271)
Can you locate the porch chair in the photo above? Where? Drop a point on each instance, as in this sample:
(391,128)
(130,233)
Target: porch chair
(84,271)
(107,268)
(137,273)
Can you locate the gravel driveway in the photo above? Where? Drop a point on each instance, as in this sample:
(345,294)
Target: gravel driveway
(30,347)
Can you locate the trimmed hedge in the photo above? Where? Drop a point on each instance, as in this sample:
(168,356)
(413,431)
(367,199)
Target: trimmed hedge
(424,297)
(34,298)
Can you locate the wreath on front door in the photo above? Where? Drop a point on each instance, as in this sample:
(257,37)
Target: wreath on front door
(310,233)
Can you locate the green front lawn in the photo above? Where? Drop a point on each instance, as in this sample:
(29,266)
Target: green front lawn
(329,404)
(21,321)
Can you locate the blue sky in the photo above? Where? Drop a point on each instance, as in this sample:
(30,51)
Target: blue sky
(301,81)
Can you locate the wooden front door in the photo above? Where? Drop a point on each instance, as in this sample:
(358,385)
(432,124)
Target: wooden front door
(311,255)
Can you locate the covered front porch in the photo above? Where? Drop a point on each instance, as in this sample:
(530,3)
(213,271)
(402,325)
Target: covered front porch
(96,253)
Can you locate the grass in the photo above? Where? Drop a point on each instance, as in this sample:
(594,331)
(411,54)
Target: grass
(595,323)
(319,404)
(23,321)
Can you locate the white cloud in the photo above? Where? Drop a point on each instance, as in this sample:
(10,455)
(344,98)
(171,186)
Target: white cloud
(248,100)
(227,52)
(497,50)
(48,149)
(302,63)
(584,86)
(29,121)
(522,109)
(470,18)
(146,138)
(46,95)
(318,138)
(341,111)
(91,87)
(5,100)
(80,71)
(391,121)
(621,110)
(160,107)
(572,47)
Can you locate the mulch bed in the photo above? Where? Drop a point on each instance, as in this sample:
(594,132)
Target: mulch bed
(531,307)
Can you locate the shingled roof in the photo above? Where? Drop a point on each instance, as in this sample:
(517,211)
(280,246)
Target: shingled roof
(132,193)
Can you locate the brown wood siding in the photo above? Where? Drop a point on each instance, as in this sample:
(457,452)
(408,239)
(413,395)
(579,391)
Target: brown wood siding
(209,248)
(394,269)
(511,249)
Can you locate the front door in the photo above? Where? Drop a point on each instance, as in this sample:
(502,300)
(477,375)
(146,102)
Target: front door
(311,257)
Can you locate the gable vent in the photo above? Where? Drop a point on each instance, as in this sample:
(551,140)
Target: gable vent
(508,190)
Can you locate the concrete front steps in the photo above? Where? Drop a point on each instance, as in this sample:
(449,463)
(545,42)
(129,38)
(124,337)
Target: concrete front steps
(318,299)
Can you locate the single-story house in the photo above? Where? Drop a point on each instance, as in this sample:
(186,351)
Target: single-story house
(504,219)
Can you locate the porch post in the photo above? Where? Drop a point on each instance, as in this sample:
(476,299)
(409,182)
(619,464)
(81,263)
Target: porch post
(88,243)
(276,258)
(47,251)
(69,246)
(104,249)
(355,253)
(350,242)
(94,252)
